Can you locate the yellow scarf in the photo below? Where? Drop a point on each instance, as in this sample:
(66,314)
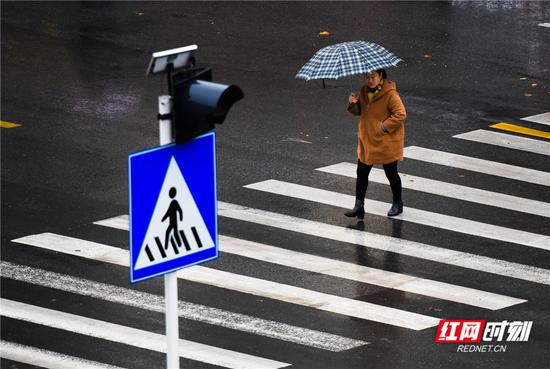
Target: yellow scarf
(374,91)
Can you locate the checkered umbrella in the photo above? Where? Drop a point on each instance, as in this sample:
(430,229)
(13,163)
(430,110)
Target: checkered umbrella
(346,59)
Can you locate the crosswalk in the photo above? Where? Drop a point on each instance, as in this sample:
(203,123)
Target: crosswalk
(386,243)
(469,163)
(45,358)
(132,336)
(451,190)
(187,310)
(411,215)
(242,283)
(507,141)
(310,300)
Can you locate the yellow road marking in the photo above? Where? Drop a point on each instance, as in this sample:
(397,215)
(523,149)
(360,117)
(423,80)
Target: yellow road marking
(519,129)
(8,124)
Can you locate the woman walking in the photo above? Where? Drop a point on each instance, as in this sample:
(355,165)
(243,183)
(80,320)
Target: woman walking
(381,137)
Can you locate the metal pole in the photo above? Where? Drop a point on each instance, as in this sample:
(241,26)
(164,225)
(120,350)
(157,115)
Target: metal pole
(170,279)
(172,323)
(169,70)
(165,120)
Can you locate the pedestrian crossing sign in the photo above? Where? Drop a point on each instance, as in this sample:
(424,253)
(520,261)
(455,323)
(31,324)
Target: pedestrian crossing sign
(173,207)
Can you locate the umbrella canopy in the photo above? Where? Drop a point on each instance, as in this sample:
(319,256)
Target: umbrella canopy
(346,59)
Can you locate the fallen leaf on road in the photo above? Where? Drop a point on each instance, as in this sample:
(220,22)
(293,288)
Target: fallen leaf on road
(324,33)
(528,94)
(523,78)
(52,29)
(534,84)
(427,56)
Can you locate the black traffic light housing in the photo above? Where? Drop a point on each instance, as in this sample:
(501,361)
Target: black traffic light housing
(199,103)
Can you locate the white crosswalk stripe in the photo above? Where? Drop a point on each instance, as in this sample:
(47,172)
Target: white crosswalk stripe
(355,272)
(45,358)
(385,243)
(372,240)
(410,214)
(364,274)
(478,165)
(543,118)
(451,190)
(132,336)
(507,140)
(241,283)
(187,310)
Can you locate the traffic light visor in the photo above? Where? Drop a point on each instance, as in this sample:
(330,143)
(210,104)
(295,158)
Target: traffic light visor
(199,104)
(214,99)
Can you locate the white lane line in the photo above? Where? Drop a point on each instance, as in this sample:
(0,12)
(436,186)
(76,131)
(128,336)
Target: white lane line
(350,271)
(478,165)
(372,240)
(506,140)
(378,277)
(547,25)
(46,359)
(132,336)
(187,310)
(241,283)
(539,118)
(451,190)
(409,214)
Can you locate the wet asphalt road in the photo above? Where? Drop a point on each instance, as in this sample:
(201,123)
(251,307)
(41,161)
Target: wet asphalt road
(73,76)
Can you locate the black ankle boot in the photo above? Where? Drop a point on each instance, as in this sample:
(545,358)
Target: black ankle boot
(357,211)
(396,208)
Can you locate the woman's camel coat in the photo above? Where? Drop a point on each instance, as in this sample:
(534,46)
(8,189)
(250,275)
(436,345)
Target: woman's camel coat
(375,146)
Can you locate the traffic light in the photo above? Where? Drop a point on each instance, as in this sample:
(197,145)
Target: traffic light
(199,103)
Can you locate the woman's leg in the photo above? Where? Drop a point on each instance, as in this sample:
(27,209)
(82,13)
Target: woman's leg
(396,188)
(363,171)
(361,184)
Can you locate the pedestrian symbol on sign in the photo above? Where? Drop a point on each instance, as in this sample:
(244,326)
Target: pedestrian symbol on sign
(176,220)
(172,214)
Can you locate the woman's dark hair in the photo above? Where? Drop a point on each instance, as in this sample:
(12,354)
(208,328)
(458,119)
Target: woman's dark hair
(382,72)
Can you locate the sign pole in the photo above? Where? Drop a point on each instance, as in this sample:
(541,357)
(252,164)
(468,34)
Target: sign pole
(170,279)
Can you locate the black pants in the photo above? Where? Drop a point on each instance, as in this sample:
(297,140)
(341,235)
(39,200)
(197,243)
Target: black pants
(363,171)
